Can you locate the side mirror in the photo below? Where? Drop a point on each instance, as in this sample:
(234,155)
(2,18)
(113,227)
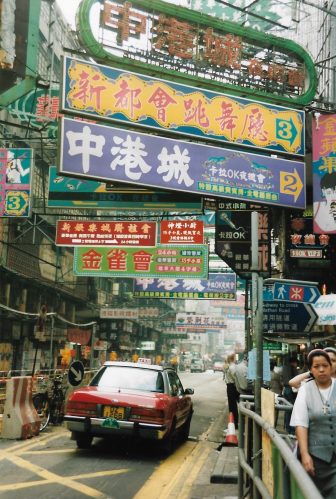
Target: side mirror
(189,391)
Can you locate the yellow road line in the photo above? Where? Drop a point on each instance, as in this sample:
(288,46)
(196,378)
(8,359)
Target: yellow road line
(36,483)
(52,477)
(175,470)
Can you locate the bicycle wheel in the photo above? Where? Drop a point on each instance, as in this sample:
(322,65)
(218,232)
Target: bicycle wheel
(41,404)
(57,408)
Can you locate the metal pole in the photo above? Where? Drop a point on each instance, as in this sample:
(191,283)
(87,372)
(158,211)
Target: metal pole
(93,337)
(52,318)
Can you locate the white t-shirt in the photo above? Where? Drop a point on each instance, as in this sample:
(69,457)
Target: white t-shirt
(300,411)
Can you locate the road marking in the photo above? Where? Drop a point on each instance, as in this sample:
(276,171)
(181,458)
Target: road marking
(50,477)
(176,473)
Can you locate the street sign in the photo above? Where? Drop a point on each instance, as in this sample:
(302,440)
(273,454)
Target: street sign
(295,292)
(325,307)
(76,373)
(288,317)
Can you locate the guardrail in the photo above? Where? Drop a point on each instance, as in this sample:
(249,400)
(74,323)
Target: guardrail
(285,477)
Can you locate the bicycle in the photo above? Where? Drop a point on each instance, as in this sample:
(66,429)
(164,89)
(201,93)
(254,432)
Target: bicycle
(50,407)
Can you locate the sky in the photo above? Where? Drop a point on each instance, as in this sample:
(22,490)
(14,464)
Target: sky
(69,8)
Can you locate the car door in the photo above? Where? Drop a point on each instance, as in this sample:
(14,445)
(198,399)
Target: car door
(181,403)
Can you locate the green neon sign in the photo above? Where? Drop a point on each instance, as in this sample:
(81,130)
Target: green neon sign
(157,38)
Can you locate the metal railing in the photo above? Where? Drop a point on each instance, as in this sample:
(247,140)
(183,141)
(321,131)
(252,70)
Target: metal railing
(290,480)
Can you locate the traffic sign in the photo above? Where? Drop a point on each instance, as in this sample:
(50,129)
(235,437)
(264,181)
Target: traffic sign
(288,317)
(325,307)
(76,373)
(295,292)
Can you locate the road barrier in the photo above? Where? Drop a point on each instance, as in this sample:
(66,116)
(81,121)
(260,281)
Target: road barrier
(267,465)
(20,419)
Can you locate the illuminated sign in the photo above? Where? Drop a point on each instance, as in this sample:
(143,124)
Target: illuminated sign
(162,261)
(101,91)
(164,39)
(101,152)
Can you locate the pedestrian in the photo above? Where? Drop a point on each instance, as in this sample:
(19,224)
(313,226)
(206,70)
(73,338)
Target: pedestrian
(231,390)
(290,369)
(243,385)
(314,417)
(302,378)
(275,385)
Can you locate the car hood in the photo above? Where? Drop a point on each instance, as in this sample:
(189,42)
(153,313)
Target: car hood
(102,395)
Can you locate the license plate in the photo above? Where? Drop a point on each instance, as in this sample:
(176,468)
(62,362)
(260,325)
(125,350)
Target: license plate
(114,412)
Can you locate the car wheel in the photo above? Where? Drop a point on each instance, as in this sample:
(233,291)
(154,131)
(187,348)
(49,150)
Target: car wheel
(167,444)
(83,440)
(184,432)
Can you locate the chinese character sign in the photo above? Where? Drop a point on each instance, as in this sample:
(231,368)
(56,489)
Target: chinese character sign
(107,233)
(106,153)
(181,231)
(324,174)
(162,261)
(200,321)
(15,180)
(187,45)
(217,286)
(101,91)
(76,193)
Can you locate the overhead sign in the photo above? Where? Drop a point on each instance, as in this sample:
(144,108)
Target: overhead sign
(70,192)
(147,345)
(162,261)
(288,317)
(119,313)
(324,174)
(325,307)
(100,152)
(295,292)
(76,373)
(188,46)
(181,232)
(200,321)
(233,236)
(109,93)
(16,166)
(106,233)
(217,286)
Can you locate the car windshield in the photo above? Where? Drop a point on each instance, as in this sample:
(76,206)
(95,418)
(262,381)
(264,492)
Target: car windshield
(130,378)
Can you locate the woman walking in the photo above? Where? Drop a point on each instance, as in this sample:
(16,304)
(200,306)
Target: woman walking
(314,417)
(231,390)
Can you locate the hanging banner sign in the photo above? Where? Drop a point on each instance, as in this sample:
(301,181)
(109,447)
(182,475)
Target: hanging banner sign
(180,232)
(200,321)
(16,166)
(105,92)
(162,261)
(70,192)
(107,233)
(155,37)
(217,286)
(324,174)
(106,153)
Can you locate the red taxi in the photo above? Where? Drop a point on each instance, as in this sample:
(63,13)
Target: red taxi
(126,398)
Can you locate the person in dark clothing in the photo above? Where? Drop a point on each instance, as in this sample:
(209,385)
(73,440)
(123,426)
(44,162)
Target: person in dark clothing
(290,369)
(231,390)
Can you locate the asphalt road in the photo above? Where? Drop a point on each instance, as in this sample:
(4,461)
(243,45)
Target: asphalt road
(50,465)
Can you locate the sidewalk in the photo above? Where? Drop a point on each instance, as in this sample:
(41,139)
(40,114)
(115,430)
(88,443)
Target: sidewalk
(218,477)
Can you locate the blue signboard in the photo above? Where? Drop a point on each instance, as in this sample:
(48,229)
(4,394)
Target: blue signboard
(100,152)
(218,286)
(70,192)
(295,292)
(288,317)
